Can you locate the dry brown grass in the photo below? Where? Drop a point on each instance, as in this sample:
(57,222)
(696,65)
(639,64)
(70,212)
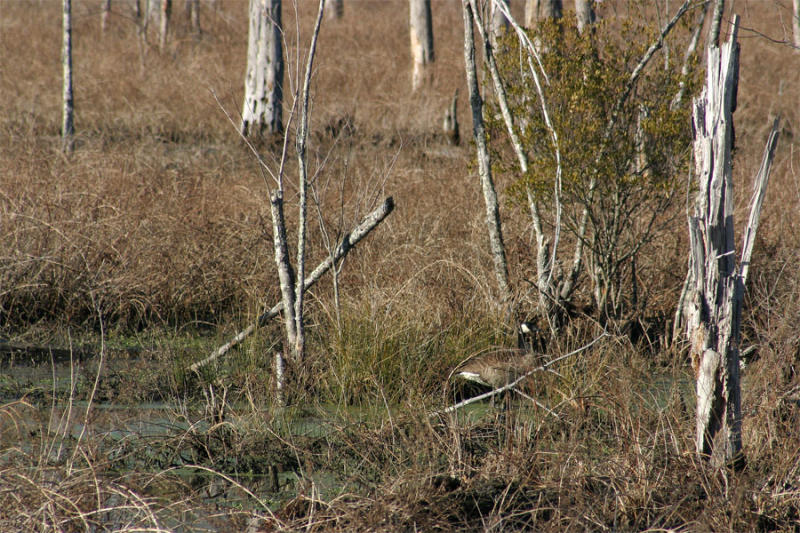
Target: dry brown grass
(160,221)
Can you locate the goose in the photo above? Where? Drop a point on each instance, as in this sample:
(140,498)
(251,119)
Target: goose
(502,366)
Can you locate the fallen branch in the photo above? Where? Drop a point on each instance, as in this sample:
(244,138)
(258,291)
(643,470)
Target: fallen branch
(347,243)
(516,382)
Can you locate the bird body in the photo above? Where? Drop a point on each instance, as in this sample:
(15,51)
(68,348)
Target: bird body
(498,368)
(505,365)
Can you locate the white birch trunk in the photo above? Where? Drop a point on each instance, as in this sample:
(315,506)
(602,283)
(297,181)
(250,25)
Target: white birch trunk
(262,111)
(421,33)
(717,284)
(68,110)
(496,245)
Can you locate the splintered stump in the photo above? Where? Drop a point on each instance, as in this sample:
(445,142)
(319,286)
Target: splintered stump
(716,283)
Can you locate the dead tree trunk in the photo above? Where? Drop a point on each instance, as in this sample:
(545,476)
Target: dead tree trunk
(717,283)
(421,30)
(263,85)
(796,22)
(334,9)
(499,20)
(450,124)
(484,166)
(193,13)
(68,109)
(716,23)
(536,10)
(584,12)
(292,278)
(166,13)
(105,12)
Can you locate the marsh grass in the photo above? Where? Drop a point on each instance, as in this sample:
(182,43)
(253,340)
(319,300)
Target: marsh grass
(158,228)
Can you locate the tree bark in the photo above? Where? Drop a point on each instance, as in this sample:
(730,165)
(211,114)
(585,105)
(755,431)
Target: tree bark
(450,124)
(263,88)
(166,14)
(716,22)
(584,13)
(687,56)
(105,11)
(548,299)
(536,10)
(335,9)
(286,276)
(302,166)
(796,22)
(68,108)
(421,32)
(717,285)
(496,244)
(193,12)
(499,20)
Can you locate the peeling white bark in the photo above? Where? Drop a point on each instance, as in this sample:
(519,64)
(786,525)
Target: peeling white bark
(717,283)
(262,112)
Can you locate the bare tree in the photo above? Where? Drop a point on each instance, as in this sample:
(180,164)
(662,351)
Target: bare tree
(335,9)
(193,13)
(536,10)
(499,20)
(584,13)
(450,124)
(496,244)
(263,87)
(716,22)
(690,51)
(348,241)
(68,110)
(717,282)
(166,14)
(421,31)
(105,11)
(796,22)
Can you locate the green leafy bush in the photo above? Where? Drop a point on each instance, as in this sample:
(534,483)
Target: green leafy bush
(624,154)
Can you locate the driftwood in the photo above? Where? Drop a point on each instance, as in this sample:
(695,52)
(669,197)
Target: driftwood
(716,287)
(347,243)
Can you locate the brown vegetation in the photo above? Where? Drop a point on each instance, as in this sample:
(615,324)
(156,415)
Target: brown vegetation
(157,230)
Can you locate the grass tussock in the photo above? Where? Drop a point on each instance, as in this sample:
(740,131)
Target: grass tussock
(152,245)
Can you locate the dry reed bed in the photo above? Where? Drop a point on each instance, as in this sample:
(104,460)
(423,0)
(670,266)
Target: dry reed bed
(160,218)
